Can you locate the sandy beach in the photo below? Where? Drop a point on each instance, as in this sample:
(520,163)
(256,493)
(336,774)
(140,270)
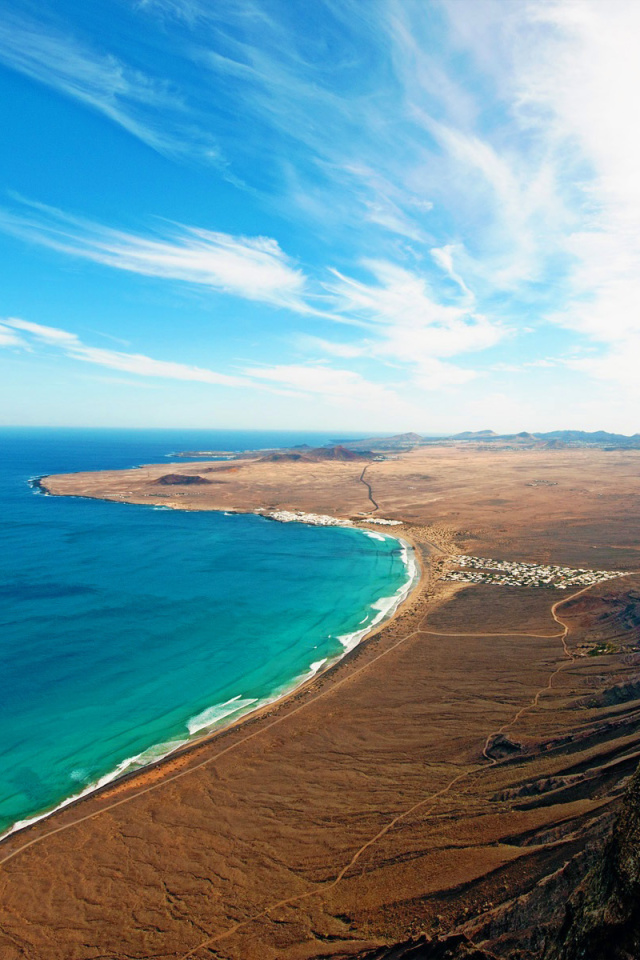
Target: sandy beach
(472,747)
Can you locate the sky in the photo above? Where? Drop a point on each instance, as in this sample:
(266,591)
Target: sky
(354,215)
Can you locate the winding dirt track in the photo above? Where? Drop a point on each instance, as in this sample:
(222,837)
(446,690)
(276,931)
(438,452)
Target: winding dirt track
(376,506)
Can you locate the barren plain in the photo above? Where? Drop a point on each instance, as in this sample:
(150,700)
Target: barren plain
(456,772)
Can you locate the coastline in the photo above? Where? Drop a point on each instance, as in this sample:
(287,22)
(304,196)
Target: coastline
(434,780)
(388,609)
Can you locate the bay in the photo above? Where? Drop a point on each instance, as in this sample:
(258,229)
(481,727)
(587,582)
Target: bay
(125,629)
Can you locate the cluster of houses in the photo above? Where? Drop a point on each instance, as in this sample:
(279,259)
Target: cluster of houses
(521,574)
(383,523)
(315,519)
(322,520)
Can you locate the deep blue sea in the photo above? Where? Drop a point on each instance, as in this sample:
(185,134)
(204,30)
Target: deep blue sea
(125,630)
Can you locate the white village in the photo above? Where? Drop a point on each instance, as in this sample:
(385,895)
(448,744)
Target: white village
(521,574)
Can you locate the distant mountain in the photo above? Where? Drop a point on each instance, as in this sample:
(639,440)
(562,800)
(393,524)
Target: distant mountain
(284,457)
(554,440)
(338,452)
(313,455)
(401,441)
(180,480)
(596,438)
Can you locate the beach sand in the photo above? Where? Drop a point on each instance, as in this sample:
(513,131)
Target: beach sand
(444,767)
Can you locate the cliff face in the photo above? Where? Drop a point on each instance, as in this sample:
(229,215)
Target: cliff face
(602,919)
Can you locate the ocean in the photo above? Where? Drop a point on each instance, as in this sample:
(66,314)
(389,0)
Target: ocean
(126,630)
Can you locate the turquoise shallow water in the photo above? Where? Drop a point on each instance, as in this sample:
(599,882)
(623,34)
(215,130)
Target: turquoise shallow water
(125,629)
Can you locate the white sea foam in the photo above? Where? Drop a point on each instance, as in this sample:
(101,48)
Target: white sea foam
(153,754)
(36,487)
(386,606)
(351,640)
(374,536)
(128,765)
(202,721)
(218,712)
(313,669)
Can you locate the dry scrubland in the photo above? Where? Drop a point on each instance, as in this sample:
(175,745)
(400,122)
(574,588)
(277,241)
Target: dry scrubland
(475,746)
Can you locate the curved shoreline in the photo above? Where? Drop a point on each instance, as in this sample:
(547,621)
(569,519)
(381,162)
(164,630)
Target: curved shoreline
(120,775)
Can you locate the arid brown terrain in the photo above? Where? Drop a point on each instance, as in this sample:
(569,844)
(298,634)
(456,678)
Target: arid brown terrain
(454,776)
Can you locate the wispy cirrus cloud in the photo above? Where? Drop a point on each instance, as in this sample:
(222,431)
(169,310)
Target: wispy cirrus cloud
(618,366)
(574,76)
(254,268)
(366,126)
(368,109)
(410,326)
(137,363)
(149,108)
(9,338)
(334,386)
(404,322)
(313,95)
(589,105)
(337,387)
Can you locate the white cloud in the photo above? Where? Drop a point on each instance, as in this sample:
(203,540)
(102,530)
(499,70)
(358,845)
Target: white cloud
(383,201)
(618,365)
(590,98)
(399,296)
(136,363)
(148,108)
(343,388)
(332,347)
(409,325)
(9,338)
(435,374)
(443,256)
(335,387)
(566,182)
(543,362)
(51,335)
(254,268)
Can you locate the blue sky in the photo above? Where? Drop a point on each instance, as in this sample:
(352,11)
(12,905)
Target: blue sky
(355,214)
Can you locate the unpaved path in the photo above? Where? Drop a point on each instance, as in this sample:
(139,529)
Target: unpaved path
(376,506)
